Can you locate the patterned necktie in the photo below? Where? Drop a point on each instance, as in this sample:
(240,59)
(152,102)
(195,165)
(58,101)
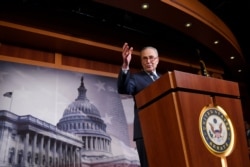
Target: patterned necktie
(153,76)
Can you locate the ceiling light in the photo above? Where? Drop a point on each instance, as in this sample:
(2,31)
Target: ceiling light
(232,57)
(145,6)
(188,24)
(216,42)
(239,70)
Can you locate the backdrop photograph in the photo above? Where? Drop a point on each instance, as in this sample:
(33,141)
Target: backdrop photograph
(55,117)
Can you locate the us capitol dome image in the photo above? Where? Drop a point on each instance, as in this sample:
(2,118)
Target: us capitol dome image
(82,118)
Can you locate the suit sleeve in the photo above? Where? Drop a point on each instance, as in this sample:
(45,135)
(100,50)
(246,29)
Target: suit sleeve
(125,83)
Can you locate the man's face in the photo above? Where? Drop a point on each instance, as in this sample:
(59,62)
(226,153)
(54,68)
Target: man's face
(149,59)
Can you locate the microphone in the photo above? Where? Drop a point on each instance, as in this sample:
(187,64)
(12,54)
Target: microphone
(202,65)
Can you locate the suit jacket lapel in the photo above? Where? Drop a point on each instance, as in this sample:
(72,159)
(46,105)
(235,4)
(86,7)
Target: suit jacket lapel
(147,77)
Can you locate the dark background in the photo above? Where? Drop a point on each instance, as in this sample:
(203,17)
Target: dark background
(72,16)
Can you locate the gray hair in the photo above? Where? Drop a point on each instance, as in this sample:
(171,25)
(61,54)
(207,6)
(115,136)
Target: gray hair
(150,47)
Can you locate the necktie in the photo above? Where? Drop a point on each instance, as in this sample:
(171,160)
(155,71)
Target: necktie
(153,76)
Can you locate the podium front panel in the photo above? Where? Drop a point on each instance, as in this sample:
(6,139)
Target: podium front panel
(170,122)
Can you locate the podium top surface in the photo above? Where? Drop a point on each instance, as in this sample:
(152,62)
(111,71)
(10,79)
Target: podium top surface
(181,81)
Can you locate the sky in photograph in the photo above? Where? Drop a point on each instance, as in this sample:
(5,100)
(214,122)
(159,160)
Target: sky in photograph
(46,92)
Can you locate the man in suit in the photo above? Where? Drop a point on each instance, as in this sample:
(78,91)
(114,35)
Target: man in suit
(131,84)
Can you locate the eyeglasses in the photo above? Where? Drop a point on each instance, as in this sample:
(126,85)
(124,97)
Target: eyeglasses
(150,58)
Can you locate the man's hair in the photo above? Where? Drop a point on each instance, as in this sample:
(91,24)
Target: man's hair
(150,47)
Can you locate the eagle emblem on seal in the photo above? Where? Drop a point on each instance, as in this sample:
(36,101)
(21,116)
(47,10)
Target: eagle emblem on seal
(215,129)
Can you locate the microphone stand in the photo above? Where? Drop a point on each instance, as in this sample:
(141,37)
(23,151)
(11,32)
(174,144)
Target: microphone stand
(202,65)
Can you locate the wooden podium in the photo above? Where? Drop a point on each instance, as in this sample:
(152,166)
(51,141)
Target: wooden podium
(169,113)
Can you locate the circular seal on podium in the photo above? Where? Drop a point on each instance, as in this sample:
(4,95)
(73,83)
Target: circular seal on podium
(216,130)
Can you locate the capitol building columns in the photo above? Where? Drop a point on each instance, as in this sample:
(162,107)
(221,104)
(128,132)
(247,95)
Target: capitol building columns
(33,149)
(30,142)
(4,140)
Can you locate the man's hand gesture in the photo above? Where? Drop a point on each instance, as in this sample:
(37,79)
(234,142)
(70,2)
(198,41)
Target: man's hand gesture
(126,55)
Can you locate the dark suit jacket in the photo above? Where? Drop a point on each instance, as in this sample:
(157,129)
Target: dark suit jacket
(131,84)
